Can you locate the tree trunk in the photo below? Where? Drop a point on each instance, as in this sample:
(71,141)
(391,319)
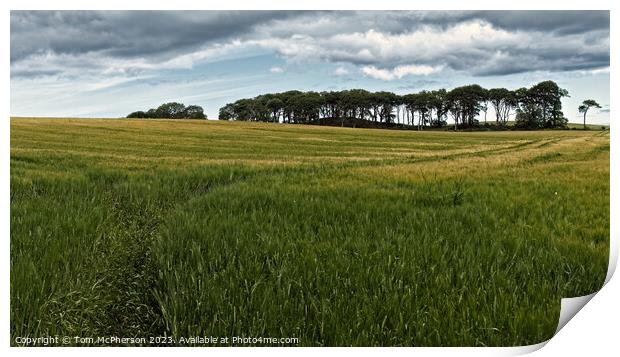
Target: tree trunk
(423,121)
(584,120)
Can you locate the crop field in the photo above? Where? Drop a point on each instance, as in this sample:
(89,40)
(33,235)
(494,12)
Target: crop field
(334,236)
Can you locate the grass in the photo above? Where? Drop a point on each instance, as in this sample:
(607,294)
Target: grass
(576,125)
(336,236)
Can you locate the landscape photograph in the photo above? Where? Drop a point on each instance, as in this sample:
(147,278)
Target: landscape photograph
(305,178)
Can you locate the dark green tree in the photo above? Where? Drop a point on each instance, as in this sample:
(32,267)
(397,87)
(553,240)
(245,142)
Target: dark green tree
(541,106)
(227,112)
(503,101)
(138,114)
(465,104)
(151,113)
(275,106)
(438,103)
(585,106)
(193,112)
(172,110)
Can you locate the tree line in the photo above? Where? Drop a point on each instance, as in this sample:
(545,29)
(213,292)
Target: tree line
(536,107)
(172,110)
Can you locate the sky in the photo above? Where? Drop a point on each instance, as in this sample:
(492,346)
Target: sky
(110,63)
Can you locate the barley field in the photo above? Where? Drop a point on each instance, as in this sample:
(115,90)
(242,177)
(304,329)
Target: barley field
(335,236)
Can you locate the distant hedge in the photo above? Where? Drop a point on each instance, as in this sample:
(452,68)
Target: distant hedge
(172,110)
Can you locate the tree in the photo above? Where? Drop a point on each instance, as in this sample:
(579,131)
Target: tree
(439,104)
(541,106)
(227,112)
(138,114)
(502,100)
(585,106)
(194,112)
(244,110)
(484,106)
(275,105)
(410,102)
(465,104)
(528,116)
(151,113)
(172,110)
(422,103)
(288,109)
(384,103)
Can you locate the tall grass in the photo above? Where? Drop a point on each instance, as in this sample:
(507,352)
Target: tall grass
(335,236)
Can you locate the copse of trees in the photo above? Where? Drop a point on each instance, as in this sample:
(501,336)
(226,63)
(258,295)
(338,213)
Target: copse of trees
(536,107)
(172,110)
(541,106)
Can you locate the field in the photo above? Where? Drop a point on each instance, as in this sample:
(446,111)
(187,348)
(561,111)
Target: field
(335,236)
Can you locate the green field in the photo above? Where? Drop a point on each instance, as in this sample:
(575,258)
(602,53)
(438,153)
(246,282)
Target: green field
(335,236)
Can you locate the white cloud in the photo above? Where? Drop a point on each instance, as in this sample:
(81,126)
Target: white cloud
(341,71)
(473,46)
(600,70)
(398,72)
(405,70)
(276,69)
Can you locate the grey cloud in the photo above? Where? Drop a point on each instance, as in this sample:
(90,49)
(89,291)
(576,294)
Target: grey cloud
(34,73)
(558,59)
(551,40)
(127,33)
(560,22)
(557,21)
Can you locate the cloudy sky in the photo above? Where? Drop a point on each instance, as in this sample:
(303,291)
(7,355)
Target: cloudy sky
(109,63)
